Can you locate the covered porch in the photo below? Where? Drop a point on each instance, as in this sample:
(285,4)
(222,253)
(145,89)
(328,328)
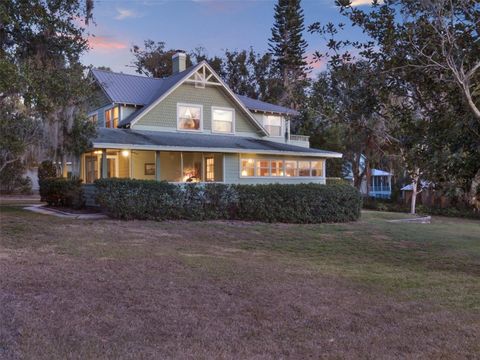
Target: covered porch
(171,166)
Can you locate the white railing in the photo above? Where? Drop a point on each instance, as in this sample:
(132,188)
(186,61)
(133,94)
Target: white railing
(299,138)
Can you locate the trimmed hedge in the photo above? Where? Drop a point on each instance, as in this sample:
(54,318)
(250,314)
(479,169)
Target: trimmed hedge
(303,203)
(62,192)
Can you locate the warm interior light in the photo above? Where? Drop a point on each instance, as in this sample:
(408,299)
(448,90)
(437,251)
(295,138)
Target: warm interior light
(281,173)
(188,114)
(97,152)
(244,172)
(125,153)
(250,161)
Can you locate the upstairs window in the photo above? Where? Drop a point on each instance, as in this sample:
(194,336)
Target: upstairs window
(273,124)
(111,117)
(189,117)
(222,120)
(93,118)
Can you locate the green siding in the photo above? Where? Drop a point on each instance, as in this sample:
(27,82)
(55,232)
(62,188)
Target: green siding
(232,171)
(164,115)
(97,100)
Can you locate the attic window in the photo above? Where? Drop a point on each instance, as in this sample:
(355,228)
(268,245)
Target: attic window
(189,117)
(111,117)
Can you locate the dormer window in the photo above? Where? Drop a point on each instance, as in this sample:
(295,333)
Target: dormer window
(273,124)
(223,120)
(189,117)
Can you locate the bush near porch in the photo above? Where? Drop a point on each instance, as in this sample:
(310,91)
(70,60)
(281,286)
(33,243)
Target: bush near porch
(303,203)
(63,192)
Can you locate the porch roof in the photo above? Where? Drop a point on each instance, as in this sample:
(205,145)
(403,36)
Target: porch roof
(182,141)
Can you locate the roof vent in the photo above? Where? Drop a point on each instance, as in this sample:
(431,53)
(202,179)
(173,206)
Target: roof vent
(179,61)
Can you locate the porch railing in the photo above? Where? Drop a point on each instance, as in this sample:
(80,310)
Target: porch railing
(299,138)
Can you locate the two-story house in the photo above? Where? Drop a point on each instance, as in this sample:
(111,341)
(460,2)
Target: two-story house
(190,127)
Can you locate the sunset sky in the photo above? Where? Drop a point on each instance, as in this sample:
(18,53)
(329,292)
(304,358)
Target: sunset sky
(186,24)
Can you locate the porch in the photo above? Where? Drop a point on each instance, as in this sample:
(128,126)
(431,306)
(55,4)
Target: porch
(171,166)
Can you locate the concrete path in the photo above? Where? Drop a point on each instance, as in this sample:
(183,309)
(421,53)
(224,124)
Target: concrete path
(40,209)
(419,220)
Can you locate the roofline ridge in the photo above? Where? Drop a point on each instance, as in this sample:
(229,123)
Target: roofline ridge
(135,75)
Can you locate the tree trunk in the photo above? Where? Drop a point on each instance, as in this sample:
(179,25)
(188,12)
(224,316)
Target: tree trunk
(368,177)
(474,189)
(414,191)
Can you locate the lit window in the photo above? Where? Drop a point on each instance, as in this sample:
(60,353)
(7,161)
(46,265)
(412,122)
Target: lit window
(111,117)
(93,118)
(263,168)
(222,120)
(273,124)
(277,168)
(210,169)
(248,167)
(317,168)
(290,168)
(189,117)
(304,168)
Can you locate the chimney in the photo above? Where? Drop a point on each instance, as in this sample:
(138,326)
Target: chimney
(179,61)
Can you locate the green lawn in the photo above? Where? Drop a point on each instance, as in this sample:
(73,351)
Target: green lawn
(113,289)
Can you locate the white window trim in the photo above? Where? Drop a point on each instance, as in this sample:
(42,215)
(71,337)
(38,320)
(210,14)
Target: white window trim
(282,126)
(201,117)
(284,169)
(233,120)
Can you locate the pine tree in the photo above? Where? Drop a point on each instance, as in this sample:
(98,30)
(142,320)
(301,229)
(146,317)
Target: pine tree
(288,48)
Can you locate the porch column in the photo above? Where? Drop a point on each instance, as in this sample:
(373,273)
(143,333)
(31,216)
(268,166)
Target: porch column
(157,165)
(104,164)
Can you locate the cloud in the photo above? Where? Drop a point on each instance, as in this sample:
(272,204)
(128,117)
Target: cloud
(106,43)
(363,2)
(125,14)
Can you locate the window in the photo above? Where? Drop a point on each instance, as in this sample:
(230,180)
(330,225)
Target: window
(290,168)
(263,168)
(189,117)
(111,117)
(273,124)
(277,168)
(210,169)
(222,120)
(317,168)
(274,168)
(304,168)
(93,118)
(248,167)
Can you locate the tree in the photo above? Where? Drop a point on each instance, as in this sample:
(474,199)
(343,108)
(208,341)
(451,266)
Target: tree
(41,48)
(288,48)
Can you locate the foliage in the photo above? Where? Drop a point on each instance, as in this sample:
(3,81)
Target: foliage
(62,192)
(288,48)
(18,132)
(46,170)
(42,43)
(12,180)
(306,203)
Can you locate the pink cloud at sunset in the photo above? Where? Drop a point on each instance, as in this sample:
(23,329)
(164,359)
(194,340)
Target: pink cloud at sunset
(105,43)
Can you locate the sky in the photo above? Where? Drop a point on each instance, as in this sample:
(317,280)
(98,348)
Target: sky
(215,25)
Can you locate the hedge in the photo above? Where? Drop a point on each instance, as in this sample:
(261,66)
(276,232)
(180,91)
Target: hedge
(303,203)
(62,192)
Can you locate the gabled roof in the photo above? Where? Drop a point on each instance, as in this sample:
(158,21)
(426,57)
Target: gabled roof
(180,141)
(142,90)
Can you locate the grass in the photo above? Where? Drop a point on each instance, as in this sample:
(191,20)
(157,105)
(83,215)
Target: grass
(111,289)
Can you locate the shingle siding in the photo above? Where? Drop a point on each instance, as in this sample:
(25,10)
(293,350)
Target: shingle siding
(232,171)
(164,115)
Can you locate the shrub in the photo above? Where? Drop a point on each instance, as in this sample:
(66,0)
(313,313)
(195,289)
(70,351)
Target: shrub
(46,170)
(304,203)
(62,192)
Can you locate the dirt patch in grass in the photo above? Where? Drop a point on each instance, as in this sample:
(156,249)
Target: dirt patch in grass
(129,290)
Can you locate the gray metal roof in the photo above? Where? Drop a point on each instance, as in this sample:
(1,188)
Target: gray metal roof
(176,141)
(257,105)
(143,90)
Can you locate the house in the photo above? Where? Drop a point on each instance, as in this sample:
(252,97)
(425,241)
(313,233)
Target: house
(190,127)
(380,181)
